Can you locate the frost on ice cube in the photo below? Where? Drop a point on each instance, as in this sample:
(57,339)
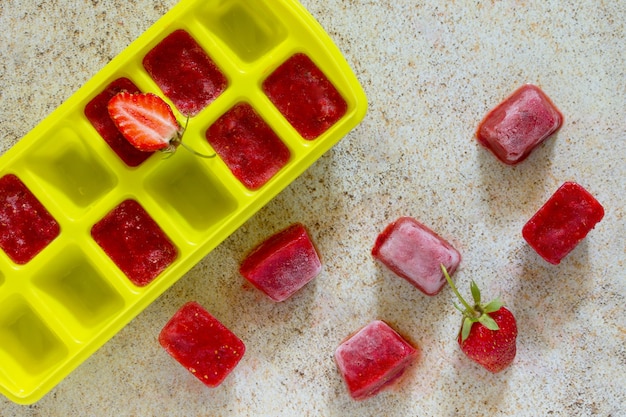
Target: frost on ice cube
(416,253)
(373,359)
(519,124)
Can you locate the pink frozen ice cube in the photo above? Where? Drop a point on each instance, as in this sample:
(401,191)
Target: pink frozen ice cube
(414,252)
(282,264)
(200,343)
(185,73)
(135,242)
(26,226)
(519,124)
(562,222)
(303,94)
(249,147)
(373,359)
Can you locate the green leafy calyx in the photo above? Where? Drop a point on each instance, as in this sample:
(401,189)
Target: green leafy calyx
(477,313)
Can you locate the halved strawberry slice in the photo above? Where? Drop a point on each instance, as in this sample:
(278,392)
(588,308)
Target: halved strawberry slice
(146,121)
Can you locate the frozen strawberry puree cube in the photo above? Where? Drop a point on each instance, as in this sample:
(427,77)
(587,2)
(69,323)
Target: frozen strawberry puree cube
(248,146)
(200,343)
(26,227)
(134,242)
(97,113)
(562,222)
(282,264)
(373,359)
(303,94)
(416,253)
(519,124)
(185,73)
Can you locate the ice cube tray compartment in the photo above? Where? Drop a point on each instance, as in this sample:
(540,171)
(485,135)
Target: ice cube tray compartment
(193,197)
(249,29)
(79,290)
(70,170)
(71,297)
(26,339)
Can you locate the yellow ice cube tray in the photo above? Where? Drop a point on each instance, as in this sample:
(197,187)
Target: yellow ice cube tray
(70,298)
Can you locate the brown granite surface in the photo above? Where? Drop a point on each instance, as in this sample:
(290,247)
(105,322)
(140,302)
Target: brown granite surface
(431,70)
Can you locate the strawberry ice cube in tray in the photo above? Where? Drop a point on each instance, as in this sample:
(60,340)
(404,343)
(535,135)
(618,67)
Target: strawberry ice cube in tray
(202,344)
(134,242)
(373,359)
(282,264)
(26,227)
(305,96)
(416,253)
(184,72)
(97,113)
(514,128)
(248,146)
(562,222)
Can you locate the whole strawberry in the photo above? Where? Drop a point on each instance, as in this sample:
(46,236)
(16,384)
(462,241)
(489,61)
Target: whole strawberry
(488,332)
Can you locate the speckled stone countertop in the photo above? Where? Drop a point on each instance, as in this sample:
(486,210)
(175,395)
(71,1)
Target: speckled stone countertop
(431,71)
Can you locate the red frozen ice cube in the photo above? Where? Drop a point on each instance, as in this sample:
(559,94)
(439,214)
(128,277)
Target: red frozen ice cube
(282,264)
(184,72)
(26,227)
(303,94)
(135,242)
(562,222)
(200,343)
(519,124)
(414,252)
(97,113)
(373,359)
(248,146)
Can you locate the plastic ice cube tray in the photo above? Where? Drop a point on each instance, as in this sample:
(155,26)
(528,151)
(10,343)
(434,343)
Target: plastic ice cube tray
(60,306)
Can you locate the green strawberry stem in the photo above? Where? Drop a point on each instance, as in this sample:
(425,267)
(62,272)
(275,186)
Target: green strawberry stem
(179,141)
(184,145)
(478,313)
(459,296)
